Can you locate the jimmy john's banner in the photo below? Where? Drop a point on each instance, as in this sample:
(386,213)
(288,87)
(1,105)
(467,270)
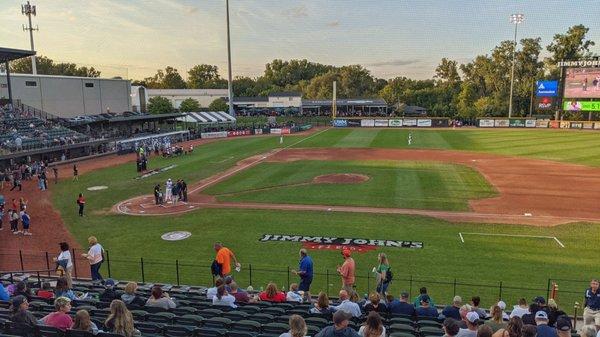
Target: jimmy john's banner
(336,243)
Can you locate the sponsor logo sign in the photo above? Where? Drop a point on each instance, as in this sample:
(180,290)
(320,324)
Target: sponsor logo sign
(237,133)
(337,243)
(281,131)
(579,63)
(501,123)
(544,103)
(381,122)
(565,124)
(221,134)
(530,123)
(554,124)
(576,125)
(596,125)
(258,131)
(367,122)
(581,105)
(541,123)
(410,122)
(395,122)
(546,89)
(486,123)
(424,122)
(354,123)
(517,123)
(176,236)
(588,125)
(340,123)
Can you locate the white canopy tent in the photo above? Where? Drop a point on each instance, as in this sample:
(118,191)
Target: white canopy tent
(207,117)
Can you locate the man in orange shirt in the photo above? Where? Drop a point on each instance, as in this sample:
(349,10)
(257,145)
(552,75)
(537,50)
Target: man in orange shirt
(223,258)
(346,271)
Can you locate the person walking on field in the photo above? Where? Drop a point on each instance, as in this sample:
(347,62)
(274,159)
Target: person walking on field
(81,203)
(75,173)
(25,219)
(346,271)
(95,257)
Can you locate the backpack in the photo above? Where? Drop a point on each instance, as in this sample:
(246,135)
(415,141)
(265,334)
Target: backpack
(215,268)
(388,275)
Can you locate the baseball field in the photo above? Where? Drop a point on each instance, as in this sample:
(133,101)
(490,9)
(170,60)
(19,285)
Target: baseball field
(500,213)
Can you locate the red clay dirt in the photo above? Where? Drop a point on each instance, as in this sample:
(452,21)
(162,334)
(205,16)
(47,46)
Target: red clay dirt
(531,191)
(340,178)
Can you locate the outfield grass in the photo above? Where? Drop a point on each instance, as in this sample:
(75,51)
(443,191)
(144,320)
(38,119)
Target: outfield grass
(406,184)
(516,262)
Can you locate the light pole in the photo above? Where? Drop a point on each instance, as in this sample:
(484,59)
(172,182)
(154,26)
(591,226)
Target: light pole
(516,19)
(229,82)
(29,10)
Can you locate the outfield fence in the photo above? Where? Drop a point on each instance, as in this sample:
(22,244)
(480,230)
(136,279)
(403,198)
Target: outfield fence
(189,272)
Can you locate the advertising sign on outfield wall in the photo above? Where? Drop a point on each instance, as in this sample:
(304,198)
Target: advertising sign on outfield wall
(530,123)
(410,122)
(424,122)
(576,125)
(281,131)
(258,131)
(565,124)
(516,123)
(395,122)
(381,122)
(440,123)
(354,123)
(340,123)
(237,133)
(588,125)
(222,134)
(597,125)
(554,124)
(486,123)
(541,123)
(367,123)
(501,123)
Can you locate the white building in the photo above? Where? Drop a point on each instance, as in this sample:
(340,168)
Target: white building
(69,96)
(274,100)
(141,95)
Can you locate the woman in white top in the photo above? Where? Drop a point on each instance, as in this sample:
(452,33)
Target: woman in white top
(297,327)
(95,258)
(373,327)
(223,298)
(65,261)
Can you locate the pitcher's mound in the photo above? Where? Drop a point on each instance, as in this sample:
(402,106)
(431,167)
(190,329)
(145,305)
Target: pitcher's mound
(341,178)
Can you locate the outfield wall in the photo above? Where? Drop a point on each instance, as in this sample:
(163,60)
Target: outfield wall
(536,123)
(391,122)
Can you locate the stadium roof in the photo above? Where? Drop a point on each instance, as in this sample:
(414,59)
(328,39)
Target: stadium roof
(207,117)
(249,99)
(285,94)
(375,102)
(8,54)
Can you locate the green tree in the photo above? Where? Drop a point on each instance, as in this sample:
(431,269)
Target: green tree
(218,104)
(285,73)
(165,79)
(205,76)
(46,66)
(321,87)
(189,105)
(447,72)
(159,105)
(569,46)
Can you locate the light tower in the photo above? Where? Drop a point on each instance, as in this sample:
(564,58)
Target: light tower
(516,19)
(229,79)
(29,10)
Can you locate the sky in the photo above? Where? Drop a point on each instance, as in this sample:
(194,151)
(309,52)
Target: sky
(134,38)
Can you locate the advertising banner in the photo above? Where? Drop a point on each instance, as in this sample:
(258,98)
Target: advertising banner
(541,123)
(395,122)
(576,125)
(354,123)
(221,134)
(501,123)
(581,105)
(381,122)
(486,123)
(597,125)
(440,123)
(565,124)
(340,123)
(530,123)
(237,133)
(258,131)
(424,122)
(517,123)
(588,125)
(544,103)
(546,89)
(369,123)
(554,124)
(281,131)
(276,131)
(358,245)
(410,122)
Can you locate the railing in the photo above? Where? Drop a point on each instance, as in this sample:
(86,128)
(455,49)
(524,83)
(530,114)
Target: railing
(186,272)
(34,112)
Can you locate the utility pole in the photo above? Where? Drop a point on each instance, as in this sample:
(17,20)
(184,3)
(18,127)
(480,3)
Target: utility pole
(29,10)
(230,81)
(334,101)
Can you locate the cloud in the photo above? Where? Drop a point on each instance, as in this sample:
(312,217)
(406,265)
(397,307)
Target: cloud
(396,62)
(297,12)
(333,24)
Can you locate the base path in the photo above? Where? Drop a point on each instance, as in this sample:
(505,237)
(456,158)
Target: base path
(531,191)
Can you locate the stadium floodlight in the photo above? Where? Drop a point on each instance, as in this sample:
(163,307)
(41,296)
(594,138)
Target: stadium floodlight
(229,80)
(29,10)
(516,19)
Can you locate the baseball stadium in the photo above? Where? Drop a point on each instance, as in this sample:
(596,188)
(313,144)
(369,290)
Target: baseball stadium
(115,187)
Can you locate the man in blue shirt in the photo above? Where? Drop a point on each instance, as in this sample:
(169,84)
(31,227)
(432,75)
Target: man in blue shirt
(543,329)
(425,310)
(453,311)
(591,313)
(402,306)
(305,271)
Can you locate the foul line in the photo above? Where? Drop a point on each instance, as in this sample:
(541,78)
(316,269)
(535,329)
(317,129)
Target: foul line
(513,235)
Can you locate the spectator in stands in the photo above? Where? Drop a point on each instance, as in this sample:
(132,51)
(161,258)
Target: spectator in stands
(305,271)
(553,312)
(453,311)
(587,330)
(95,257)
(541,302)
(529,330)
(502,306)
(486,331)
(520,309)
(62,289)
(373,326)
(120,320)
(401,306)
(529,318)
(211,292)
(240,295)
(496,322)
(83,322)
(464,310)
(65,261)
(294,295)
(46,291)
(223,298)
(60,318)
(375,304)
(26,222)
(514,328)
(347,305)
(81,203)
(22,289)
(109,294)
(160,299)
(272,294)
(14,221)
(382,275)
(22,204)
(19,312)
(424,309)
(472,320)
(297,327)
(130,297)
(346,271)
(423,292)
(322,305)
(340,326)
(450,327)
(75,173)
(543,329)
(223,259)
(563,326)
(591,313)
(475,301)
